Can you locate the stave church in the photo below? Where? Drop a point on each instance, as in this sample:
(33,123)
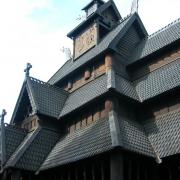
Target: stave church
(111,112)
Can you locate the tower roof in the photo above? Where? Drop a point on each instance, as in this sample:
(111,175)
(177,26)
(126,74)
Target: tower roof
(100,2)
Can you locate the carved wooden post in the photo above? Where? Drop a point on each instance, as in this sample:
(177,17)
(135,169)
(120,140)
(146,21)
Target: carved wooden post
(116,166)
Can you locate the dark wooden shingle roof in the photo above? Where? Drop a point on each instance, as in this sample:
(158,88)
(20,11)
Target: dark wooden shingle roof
(157,41)
(33,150)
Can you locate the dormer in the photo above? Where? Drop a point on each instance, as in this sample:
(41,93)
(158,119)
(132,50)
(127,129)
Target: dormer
(101,18)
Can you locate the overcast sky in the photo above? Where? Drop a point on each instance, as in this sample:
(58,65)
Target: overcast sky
(35,30)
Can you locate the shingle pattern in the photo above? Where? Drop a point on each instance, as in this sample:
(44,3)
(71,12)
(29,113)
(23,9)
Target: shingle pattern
(20,149)
(158,40)
(164,133)
(84,143)
(85,94)
(13,138)
(49,99)
(37,151)
(98,49)
(134,138)
(125,87)
(159,81)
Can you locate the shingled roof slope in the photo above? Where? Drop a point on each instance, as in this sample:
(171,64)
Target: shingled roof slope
(126,87)
(134,137)
(164,133)
(33,150)
(159,81)
(13,138)
(49,100)
(84,143)
(86,93)
(96,139)
(157,41)
(71,65)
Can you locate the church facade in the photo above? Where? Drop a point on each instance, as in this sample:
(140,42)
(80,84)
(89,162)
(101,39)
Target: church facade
(111,112)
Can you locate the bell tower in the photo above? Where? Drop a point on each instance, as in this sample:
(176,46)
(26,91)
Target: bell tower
(101,18)
(92,7)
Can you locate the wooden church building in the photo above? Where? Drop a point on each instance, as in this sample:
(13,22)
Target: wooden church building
(111,112)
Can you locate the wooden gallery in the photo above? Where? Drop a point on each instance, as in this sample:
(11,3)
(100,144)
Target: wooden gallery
(111,112)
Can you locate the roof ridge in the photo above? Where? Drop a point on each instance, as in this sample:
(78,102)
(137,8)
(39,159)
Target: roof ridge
(13,127)
(164,28)
(46,84)
(20,150)
(124,18)
(90,81)
(60,68)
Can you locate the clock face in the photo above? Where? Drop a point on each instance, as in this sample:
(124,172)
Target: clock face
(85,41)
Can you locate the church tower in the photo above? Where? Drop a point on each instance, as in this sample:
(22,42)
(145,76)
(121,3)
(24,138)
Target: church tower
(101,18)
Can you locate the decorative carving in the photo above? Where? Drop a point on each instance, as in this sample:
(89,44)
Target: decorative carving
(85,41)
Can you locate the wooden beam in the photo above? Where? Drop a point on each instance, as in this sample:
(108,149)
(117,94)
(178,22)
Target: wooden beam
(116,166)
(170,173)
(69,174)
(93,171)
(138,171)
(129,169)
(76,173)
(84,174)
(16,175)
(102,171)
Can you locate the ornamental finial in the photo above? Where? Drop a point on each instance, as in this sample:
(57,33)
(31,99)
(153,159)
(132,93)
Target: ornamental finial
(27,70)
(135,6)
(3,114)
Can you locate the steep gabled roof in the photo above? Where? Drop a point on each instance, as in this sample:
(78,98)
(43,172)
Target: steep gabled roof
(49,99)
(33,150)
(157,41)
(44,99)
